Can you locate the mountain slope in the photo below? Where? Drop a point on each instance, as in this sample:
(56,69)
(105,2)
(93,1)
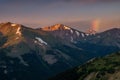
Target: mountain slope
(106,68)
(27,50)
(109,38)
(27,53)
(97,44)
(101,43)
(65,32)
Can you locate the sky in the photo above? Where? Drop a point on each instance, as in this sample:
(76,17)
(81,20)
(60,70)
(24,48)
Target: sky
(99,15)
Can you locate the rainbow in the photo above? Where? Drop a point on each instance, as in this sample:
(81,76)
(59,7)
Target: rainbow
(95,25)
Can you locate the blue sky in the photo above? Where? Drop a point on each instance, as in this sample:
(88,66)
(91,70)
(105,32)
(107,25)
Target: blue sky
(79,14)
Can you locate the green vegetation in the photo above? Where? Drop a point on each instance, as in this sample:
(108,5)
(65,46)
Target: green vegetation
(106,68)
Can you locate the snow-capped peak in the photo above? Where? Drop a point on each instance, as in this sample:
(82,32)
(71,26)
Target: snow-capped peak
(56,27)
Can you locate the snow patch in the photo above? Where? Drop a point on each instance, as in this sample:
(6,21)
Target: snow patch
(77,33)
(40,40)
(67,28)
(72,40)
(13,24)
(18,31)
(82,35)
(87,34)
(71,31)
(35,41)
(50,59)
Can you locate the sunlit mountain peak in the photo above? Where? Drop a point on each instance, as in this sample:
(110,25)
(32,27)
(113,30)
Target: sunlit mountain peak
(56,27)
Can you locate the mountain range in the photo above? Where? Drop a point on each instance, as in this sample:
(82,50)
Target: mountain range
(27,54)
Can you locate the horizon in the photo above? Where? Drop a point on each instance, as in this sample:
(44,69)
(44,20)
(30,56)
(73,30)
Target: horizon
(78,14)
(61,24)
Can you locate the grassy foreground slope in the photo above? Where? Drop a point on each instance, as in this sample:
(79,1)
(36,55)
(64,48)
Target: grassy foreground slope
(105,68)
